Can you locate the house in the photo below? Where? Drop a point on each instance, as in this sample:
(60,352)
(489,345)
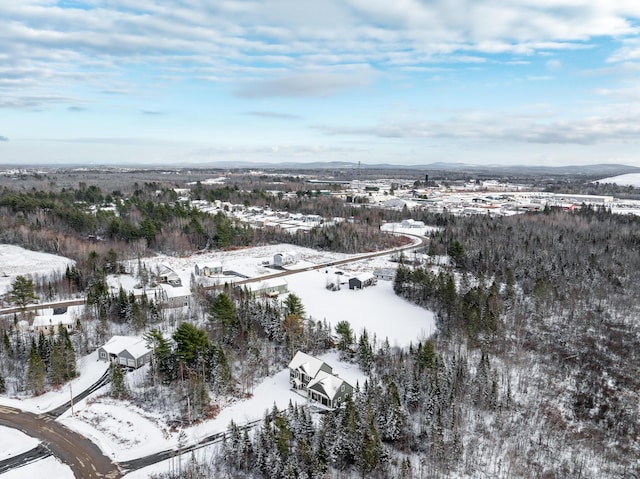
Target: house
(269,287)
(129,351)
(52,323)
(168,276)
(284,259)
(411,223)
(175,296)
(210,269)
(385,274)
(316,379)
(362,281)
(329,389)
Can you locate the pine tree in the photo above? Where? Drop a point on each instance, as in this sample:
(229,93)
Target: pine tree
(224,316)
(119,388)
(3,386)
(36,372)
(22,292)
(345,341)
(365,352)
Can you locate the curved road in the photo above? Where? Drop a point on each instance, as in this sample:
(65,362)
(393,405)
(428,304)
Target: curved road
(84,458)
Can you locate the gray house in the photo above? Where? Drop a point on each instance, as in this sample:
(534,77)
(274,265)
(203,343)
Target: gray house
(316,379)
(129,351)
(329,389)
(303,368)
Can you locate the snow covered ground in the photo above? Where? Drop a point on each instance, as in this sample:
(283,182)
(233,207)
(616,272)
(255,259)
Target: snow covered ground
(376,308)
(630,179)
(15,261)
(123,431)
(47,467)
(90,371)
(14,442)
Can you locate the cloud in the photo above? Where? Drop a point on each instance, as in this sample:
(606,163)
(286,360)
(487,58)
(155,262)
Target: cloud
(152,113)
(273,115)
(33,102)
(630,51)
(308,84)
(3,138)
(273,151)
(274,44)
(485,127)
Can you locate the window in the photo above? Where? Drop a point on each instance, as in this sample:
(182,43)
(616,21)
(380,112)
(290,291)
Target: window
(342,388)
(103,354)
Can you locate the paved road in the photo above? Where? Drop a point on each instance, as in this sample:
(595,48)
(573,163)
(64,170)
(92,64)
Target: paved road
(353,259)
(83,457)
(35,454)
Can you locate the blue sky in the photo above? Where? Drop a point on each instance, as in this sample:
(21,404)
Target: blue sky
(176,82)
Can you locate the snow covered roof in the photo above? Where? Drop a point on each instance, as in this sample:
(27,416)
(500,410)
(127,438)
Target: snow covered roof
(310,365)
(176,291)
(364,277)
(266,284)
(136,345)
(326,383)
(53,319)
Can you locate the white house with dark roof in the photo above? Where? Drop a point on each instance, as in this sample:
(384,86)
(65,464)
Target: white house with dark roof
(316,379)
(130,351)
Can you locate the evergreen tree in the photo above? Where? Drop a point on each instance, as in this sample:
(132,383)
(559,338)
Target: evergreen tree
(22,292)
(119,388)
(345,337)
(293,305)
(163,359)
(191,344)
(36,372)
(365,352)
(224,316)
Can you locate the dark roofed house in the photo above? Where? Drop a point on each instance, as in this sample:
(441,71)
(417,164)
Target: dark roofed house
(362,281)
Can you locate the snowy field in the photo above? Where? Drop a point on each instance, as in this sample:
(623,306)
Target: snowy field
(15,261)
(376,308)
(49,467)
(630,179)
(14,442)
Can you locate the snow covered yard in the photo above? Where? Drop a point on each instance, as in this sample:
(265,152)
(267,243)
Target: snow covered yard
(90,370)
(47,467)
(376,308)
(14,442)
(16,261)
(124,431)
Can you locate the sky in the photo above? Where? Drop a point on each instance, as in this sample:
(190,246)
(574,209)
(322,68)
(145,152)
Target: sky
(411,82)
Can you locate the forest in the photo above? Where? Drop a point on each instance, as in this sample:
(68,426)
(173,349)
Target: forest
(533,372)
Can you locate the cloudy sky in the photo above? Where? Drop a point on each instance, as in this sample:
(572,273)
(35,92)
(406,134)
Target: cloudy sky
(552,82)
